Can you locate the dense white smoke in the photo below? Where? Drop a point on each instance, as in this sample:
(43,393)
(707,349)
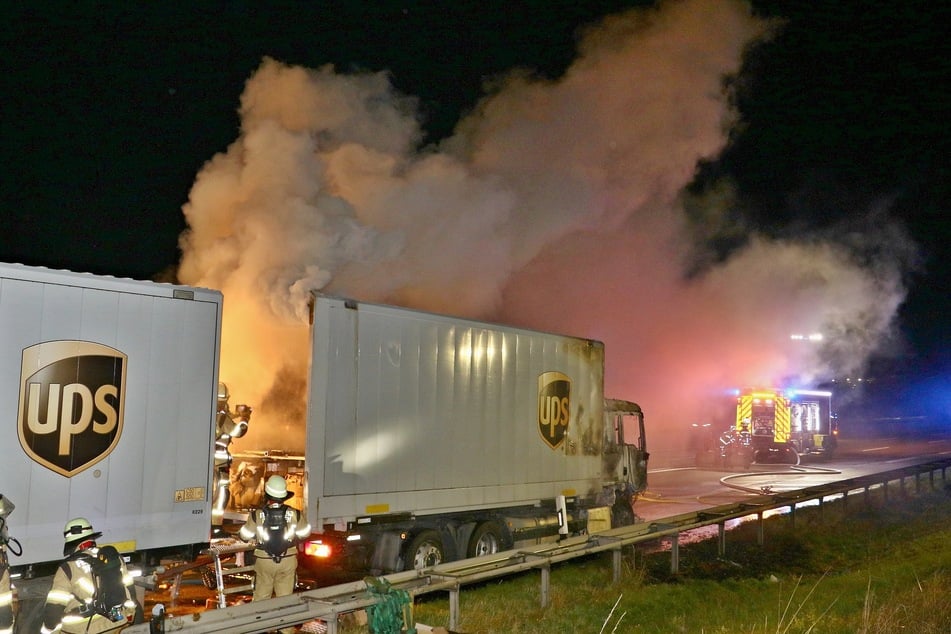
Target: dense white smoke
(555,205)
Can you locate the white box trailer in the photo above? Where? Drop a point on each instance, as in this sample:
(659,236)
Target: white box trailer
(434,438)
(108,392)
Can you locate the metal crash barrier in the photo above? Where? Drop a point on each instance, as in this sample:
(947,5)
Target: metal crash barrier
(328,604)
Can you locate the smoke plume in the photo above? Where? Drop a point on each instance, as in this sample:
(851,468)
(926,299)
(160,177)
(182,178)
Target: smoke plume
(556,205)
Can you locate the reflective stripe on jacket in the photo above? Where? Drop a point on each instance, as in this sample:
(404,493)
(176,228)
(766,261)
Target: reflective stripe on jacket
(296,529)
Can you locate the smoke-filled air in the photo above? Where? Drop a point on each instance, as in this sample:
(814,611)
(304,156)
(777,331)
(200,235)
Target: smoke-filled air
(556,204)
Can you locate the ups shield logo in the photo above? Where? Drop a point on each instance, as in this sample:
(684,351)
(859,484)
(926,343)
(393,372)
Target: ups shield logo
(554,407)
(72,402)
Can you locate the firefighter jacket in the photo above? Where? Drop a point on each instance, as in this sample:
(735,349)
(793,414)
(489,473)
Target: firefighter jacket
(6,597)
(68,604)
(277,529)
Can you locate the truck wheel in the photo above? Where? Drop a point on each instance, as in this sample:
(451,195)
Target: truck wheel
(790,455)
(486,540)
(425,550)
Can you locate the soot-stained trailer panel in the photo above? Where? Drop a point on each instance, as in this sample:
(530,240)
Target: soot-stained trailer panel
(411,411)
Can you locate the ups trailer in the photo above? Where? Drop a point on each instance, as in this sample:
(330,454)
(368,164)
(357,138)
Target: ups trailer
(108,393)
(433,438)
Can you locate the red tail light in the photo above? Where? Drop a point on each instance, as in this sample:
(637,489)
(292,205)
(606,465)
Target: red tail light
(317,549)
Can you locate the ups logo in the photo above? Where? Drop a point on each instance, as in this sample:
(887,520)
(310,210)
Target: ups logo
(554,407)
(72,403)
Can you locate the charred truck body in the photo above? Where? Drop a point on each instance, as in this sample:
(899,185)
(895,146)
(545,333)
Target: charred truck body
(433,438)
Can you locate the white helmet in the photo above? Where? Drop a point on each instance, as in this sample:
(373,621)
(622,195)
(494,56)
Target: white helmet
(77,531)
(6,506)
(276,488)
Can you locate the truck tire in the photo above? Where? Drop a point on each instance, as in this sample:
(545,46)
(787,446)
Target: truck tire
(485,540)
(424,551)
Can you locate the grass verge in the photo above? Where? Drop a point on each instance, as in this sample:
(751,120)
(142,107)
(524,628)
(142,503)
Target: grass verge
(884,566)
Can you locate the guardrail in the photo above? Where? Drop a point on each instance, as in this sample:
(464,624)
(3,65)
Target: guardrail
(327,604)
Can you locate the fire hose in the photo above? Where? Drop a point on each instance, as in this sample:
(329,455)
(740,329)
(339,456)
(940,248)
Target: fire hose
(393,610)
(795,469)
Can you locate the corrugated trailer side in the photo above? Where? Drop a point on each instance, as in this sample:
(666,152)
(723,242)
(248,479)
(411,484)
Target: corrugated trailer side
(109,389)
(412,412)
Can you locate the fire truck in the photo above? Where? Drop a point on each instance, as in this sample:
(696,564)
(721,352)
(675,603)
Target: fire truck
(775,426)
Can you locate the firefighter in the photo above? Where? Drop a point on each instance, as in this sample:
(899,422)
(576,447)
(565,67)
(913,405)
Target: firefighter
(6,595)
(77,602)
(6,590)
(228,426)
(276,529)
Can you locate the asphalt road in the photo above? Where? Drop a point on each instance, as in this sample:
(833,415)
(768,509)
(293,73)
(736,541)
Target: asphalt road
(675,486)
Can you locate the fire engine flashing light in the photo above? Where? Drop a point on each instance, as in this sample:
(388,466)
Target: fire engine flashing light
(792,393)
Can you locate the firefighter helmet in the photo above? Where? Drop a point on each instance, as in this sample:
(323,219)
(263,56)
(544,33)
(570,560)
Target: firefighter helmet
(6,506)
(276,488)
(223,396)
(77,531)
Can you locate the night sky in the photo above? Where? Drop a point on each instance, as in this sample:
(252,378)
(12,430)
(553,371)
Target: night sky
(110,109)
